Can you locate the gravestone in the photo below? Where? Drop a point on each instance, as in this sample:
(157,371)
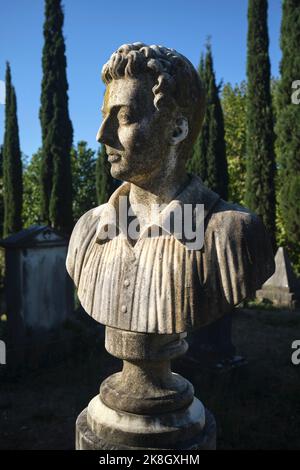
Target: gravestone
(38,291)
(282,288)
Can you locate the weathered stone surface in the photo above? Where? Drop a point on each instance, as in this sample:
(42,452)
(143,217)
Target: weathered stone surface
(146,405)
(165,277)
(129,391)
(144,430)
(86,439)
(39,294)
(146,383)
(148,131)
(282,288)
(144,265)
(129,345)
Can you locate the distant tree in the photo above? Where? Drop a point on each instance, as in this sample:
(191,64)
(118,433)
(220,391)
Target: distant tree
(57,130)
(234,109)
(260,177)
(84,179)
(32,190)
(288,129)
(1,191)
(198,162)
(105,183)
(281,234)
(12,163)
(209,156)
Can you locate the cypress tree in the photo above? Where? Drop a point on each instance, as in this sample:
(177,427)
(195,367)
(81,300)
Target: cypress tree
(209,156)
(83,177)
(234,109)
(288,128)
(57,130)
(32,190)
(12,163)
(198,162)
(105,183)
(260,162)
(1,191)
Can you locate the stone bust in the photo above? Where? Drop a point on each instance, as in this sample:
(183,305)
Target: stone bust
(152,113)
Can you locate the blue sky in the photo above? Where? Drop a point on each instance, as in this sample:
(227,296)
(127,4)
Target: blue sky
(95,28)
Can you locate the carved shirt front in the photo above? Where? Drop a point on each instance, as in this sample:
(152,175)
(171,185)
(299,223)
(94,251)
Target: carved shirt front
(159,284)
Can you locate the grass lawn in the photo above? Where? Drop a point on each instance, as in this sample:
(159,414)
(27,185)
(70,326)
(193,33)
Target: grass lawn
(256,406)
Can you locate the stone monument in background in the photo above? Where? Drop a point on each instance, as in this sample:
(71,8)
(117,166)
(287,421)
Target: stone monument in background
(282,288)
(149,270)
(39,295)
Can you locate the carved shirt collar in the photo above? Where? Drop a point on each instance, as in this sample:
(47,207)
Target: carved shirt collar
(194,193)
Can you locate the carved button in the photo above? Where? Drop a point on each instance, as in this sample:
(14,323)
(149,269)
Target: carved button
(126,282)
(123,309)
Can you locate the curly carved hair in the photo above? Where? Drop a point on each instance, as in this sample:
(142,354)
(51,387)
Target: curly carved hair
(176,81)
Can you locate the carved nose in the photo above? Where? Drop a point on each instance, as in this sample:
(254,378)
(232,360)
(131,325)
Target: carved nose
(105,133)
(100,134)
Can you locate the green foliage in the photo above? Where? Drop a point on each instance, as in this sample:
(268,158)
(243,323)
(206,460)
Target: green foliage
(264,304)
(85,185)
(234,109)
(1,191)
(32,191)
(83,164)
(84,179)
(209,155)
(105,183)
(289,42)
(281,232)
(12,163)
(288,132)
(2,270)
(57,131)
(260,177)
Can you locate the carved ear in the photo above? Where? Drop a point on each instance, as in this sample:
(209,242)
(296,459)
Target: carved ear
(180,131)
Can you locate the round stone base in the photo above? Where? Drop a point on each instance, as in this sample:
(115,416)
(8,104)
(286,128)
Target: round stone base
(86,439)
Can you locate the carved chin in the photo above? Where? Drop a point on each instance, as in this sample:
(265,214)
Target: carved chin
(116,169)
(121,170)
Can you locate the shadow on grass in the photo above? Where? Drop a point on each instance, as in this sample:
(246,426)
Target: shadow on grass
(256,406)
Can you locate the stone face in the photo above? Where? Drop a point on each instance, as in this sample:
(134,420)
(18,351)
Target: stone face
(282,288)
(147,269)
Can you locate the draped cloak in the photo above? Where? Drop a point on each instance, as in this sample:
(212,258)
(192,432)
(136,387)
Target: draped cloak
(160,284)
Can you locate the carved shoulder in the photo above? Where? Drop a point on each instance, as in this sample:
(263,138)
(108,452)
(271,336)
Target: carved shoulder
(238,253)
(82,235)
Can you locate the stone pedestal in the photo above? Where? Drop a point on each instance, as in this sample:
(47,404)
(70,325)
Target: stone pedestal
(146,405)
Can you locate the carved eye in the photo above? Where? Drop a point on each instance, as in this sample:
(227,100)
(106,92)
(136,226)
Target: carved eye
(125,117)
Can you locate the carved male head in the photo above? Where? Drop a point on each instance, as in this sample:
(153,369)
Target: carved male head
(152,112)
